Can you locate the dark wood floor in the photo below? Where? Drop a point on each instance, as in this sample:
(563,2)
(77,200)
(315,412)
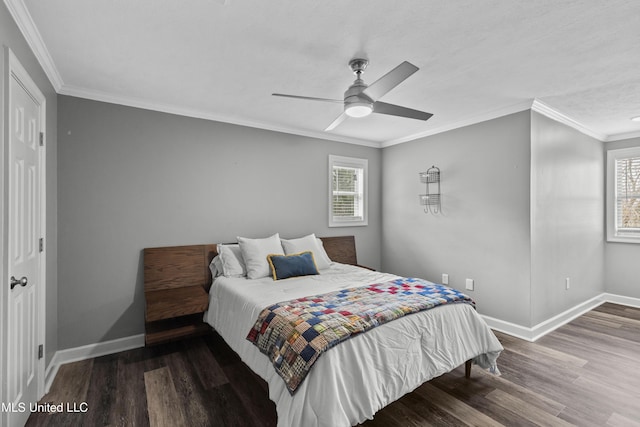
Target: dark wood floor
(586,373)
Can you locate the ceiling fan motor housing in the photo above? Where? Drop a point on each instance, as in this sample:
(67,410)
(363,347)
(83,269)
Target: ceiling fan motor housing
(356,103)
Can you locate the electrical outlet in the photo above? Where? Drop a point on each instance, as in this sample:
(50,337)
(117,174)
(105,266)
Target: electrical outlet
(567,283)
(469,285)
(445,279)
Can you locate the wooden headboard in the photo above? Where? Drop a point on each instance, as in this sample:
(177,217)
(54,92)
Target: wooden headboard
(179,266)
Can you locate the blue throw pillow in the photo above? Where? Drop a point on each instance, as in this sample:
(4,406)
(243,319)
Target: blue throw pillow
(285,266)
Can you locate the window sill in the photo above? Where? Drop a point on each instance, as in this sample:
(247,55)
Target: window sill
(348,224)
(623,239)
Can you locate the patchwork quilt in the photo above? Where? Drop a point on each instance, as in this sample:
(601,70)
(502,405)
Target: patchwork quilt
(293,334)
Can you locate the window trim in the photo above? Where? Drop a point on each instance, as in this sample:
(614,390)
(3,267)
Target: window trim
(613,235)
(349,162)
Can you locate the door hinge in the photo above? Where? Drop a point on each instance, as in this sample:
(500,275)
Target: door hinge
(41,139)
(41,244)
(40,351)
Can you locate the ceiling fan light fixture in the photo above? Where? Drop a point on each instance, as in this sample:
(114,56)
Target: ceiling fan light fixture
(361,100)
(358,109)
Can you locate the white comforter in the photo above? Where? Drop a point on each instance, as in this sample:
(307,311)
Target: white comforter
(352,381)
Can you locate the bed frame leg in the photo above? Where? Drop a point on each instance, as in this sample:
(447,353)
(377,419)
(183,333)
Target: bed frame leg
(467,369)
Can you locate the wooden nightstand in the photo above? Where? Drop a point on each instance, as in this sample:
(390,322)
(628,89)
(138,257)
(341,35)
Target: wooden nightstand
(176,297)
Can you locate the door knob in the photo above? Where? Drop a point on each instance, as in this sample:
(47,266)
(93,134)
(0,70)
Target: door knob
(15,282)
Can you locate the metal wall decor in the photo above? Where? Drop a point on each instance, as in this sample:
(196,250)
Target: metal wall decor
(432,198)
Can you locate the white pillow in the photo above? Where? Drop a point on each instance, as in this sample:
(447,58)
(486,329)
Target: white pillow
(232,262)
(255,251)
(216,267)
(308,243)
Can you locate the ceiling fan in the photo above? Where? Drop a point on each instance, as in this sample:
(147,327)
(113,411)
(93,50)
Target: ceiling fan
(361,99)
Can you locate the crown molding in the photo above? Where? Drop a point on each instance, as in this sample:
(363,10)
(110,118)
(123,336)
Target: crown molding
(23,20)
(206,115)
(544,109)
(621,136)
(535,105)
(479,118)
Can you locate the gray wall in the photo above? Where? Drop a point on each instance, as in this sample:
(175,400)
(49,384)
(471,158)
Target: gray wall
(11,37)
(622,268)
(132,178)
(483,233)
(523,209)
(567,222)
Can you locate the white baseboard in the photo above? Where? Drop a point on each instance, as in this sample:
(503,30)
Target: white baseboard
(526,333)
(51,372)
(622,300)
(508,328)
(541,329)
(89,351)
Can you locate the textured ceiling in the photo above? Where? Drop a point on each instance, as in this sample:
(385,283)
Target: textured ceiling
(478,59)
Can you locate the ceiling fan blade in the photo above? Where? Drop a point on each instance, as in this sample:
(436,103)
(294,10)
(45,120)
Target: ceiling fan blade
(396,110)
(390,80)
(309,98)
(336,122)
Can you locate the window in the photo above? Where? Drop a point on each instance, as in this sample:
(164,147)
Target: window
(347,191)
(623,195)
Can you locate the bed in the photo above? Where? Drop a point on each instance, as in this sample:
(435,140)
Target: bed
(351,381)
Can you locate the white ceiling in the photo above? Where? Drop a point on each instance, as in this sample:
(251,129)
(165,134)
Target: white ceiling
(221,59)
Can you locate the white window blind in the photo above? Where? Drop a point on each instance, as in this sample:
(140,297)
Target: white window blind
(623,198)
(347,192)
(628,194)
(347,198)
